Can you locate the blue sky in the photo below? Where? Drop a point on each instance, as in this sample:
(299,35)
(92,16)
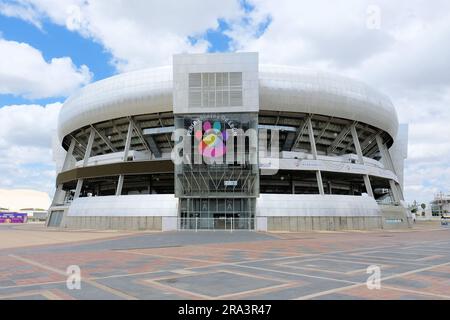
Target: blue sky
(50,48)
(57,41)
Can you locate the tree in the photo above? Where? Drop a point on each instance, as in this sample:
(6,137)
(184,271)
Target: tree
(423,206)
(414,207)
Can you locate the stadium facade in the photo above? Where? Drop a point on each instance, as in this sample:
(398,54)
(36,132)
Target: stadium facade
(218,141)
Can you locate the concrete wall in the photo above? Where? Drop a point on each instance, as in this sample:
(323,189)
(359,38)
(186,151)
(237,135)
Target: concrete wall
(395,217)
(113,223)
(129,206)
(293,205)
(135,212)
(279,213)
(304,224)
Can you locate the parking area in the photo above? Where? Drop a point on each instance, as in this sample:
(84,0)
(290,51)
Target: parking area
(414,264)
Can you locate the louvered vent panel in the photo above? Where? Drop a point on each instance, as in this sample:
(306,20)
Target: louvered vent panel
(220,89)
(236,98)
(195,80)
(235,79)
(195,99)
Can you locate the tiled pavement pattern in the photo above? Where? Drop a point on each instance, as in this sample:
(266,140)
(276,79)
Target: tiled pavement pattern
(240,265)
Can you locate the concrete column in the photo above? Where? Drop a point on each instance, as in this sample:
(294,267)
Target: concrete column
(312,142)
(391,164)
(383,152)
(58,198)
(361,159)
(128,141)
(89,147)
(320,182)
(85,162)
(394,190)
(125,157)
(150,184)
(59,195)
(78,189)
(356,143)
(293,186)
(68,155)
(368,185)
(386,157)
(400,192)
(389,160)
(119,185)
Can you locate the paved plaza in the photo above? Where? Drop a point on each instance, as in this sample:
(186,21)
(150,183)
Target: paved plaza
(414,264)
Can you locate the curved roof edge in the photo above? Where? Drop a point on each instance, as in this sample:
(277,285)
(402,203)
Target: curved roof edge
(282,88)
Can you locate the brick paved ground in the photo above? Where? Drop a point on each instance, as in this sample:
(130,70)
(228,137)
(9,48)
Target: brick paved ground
(19,235)
(414,264)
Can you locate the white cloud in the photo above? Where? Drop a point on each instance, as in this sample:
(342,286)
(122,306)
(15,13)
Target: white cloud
(24,72)
(407,58)
(138,34)
(26,132)
(23,11)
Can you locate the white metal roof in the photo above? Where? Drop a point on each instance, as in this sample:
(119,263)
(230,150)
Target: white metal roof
(282,88)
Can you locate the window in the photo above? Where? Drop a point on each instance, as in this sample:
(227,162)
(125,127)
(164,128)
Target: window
(220,89)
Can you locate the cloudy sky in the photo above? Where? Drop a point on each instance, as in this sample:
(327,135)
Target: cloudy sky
(49,48)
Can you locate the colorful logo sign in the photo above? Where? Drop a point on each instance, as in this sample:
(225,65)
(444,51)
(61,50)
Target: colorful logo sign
(212,140)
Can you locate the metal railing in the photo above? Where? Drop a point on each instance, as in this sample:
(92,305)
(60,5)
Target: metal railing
(216,224)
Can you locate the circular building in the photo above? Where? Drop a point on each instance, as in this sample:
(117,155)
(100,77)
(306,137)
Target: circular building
(218,141)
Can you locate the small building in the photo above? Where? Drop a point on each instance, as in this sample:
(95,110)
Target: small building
(35,214)
(440,205)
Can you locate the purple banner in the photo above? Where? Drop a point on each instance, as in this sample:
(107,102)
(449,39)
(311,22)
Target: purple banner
(13,217)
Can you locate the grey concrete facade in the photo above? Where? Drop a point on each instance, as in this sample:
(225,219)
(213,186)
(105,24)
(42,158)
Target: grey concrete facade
(395,217)
(114,223)
(306,224)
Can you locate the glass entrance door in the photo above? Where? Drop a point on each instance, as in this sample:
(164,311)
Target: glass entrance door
(217,214)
